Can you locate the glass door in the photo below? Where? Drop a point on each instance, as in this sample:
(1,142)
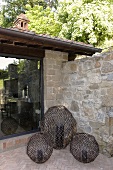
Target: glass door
(21,98)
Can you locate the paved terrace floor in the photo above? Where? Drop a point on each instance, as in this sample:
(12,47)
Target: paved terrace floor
(60,160)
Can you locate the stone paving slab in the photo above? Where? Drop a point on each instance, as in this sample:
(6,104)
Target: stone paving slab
(17,159)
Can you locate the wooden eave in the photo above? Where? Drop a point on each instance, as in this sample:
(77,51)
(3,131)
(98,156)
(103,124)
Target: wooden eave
(16,43)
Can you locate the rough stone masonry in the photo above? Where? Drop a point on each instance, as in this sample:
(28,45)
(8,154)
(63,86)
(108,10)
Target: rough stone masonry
(85,87)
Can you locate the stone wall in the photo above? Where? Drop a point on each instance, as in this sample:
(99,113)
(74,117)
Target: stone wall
(53,64)
(85,87)
(88,94)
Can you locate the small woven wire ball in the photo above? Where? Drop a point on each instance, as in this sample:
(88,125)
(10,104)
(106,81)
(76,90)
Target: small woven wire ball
(9,126)
(39,147)
(60,125)
(84,147)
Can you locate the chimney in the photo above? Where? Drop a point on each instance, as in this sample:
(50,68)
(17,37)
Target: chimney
(21,22)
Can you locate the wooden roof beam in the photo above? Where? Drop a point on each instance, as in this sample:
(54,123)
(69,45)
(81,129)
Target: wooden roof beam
(20,51)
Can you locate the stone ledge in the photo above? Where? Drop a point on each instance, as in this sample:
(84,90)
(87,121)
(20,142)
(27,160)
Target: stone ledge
(14,142)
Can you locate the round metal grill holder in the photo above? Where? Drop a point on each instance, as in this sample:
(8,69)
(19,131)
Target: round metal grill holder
(9,126)
(60,125)
(39,147)
(84,147)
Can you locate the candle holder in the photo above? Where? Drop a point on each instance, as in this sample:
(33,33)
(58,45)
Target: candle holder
(9,126)
(60,125)
(39,147)
(84,147)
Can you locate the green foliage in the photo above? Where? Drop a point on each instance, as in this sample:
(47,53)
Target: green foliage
(43,21)
(20,65)
(1,18)
(3,73)
(14,7)
(11,10)
(90,22)
(1,84)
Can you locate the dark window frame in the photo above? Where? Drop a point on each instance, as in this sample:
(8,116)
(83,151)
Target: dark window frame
(41,93)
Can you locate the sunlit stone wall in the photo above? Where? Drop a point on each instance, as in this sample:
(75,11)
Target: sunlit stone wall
(53,65)
(85,87)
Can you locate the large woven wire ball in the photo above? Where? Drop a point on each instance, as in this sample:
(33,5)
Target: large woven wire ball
(60,125)
(39,147)
(84,147)
(9,126)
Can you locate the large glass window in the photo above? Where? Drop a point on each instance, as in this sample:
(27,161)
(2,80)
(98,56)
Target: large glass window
(20,95)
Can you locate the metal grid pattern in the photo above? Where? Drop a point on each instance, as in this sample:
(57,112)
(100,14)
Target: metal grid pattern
(9,126)
(39,147)
(60,125)
(84,147)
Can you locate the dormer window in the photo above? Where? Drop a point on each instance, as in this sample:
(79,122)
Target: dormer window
(25,25)
(22,22)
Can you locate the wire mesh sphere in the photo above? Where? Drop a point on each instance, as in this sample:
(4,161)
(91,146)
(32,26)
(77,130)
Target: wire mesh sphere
(84,147)
(39,147)
(60,125)
(9,126)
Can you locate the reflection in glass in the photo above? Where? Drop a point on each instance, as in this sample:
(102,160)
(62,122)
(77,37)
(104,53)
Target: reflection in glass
(20,95)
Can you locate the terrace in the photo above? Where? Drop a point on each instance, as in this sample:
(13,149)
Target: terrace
(59,160)
(55,78)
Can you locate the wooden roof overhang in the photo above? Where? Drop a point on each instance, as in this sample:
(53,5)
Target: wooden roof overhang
(14,43)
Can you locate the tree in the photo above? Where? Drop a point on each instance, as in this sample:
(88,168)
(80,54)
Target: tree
(10,10)
(1,19)
(20,65)
(90,22)
(13,8)
(3,73)
(43,21)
